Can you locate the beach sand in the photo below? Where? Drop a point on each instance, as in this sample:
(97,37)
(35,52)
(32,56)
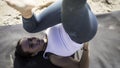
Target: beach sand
(9,16)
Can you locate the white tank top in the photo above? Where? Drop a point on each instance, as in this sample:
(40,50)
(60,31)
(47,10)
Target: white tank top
(59,42)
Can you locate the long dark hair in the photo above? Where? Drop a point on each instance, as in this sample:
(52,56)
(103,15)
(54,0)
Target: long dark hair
(20,53)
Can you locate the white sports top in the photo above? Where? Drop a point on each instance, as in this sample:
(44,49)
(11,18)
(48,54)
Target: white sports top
(59,42)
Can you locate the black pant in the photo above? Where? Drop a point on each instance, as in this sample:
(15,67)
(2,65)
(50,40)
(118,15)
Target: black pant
(84,26)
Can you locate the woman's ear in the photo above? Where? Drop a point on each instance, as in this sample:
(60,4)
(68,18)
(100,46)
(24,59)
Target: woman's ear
(45,39)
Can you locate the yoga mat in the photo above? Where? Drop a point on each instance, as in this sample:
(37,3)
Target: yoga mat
(104,47)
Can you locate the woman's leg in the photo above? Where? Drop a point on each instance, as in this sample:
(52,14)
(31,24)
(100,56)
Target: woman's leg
(47,18)
(78,20)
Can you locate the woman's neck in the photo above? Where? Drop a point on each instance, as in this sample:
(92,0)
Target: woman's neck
(45,43)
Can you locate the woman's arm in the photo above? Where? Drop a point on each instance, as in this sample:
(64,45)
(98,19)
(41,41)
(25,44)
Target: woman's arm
(64,62)
(84,62)
(70,62)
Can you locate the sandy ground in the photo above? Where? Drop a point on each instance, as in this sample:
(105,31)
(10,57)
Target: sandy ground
(9,16)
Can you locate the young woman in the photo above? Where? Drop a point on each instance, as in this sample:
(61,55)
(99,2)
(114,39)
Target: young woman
(69,21)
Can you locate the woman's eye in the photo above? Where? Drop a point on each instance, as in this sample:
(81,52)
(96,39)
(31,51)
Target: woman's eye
(30,45)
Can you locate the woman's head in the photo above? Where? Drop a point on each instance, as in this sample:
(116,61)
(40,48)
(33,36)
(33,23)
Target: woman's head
(27,47)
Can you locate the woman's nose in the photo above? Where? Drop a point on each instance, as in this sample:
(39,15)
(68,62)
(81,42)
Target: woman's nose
(31,42)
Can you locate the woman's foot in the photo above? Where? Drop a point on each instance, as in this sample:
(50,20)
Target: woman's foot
(23,6)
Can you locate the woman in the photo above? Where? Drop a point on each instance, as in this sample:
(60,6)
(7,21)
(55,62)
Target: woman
(79,24)
(29,47)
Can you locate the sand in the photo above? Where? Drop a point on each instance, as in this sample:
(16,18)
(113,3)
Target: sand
(9,16)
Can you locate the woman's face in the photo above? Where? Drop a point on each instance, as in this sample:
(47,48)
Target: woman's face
(32,44)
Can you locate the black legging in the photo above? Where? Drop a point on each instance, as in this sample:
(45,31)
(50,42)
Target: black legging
(78,20)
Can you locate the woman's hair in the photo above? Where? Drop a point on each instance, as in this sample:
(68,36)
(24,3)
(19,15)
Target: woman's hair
(20,53)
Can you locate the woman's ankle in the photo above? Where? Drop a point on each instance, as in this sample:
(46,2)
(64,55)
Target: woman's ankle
(27,14)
